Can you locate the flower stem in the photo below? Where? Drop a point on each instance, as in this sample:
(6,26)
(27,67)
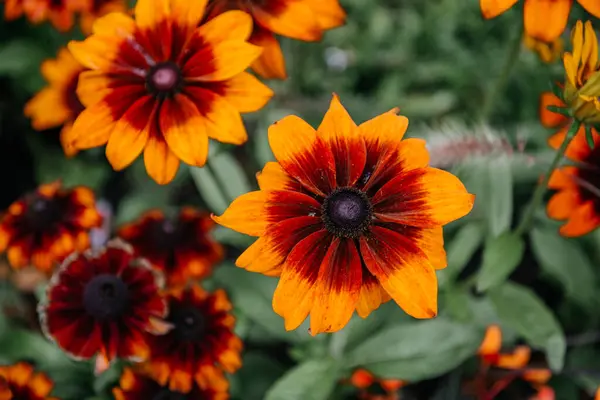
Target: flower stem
(538,195)
(513,49)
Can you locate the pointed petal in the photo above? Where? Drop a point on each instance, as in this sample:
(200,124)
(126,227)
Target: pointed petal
(578,149)
(150,13)
(294,295)
(244,92)
(271,63)
(93,127)
(384,130)
(131,133)
(161,164)
(493,8)
(293,19)
(188,13)
(274,177)
(591,6)
(220,61)
(424,197)
(348,148)
(337,288)
(403,270)
(230,25)
(546,20)
(563,178)
(548,118)
(184,130)
(563,203)
(115,23)
(304,157)
(329,13)
(582,221)
(370,297)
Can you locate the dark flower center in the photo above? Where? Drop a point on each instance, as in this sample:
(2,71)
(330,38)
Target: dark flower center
(347,212)
(105,297)
(164,79)
(43,213)
(166,394)
(189,323)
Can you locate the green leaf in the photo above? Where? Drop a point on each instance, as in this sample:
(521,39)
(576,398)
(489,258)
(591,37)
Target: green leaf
(209,189)
(417,350)
(231,175)
(500,257)
(589,136)
(500,206)
(460,250)
(557,90)
(582,363)
(554,253)
(457,302)
(520,309)
(559,110)
(257,375)
(252,294)
(20,56)
(311,380)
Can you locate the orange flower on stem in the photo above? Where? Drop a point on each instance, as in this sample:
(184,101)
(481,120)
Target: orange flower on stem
(297,19)
(179,247)
(201,344)
(57,104)
(349,217)
(21,382)
(544,20)
(47,225)
(162,85)
(138,386)
(59,12)
(97,9)
(103,304)
(369,386)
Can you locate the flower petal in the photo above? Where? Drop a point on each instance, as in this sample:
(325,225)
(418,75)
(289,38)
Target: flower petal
(295,293)
(184,130)
(387,129)
(371,294)
(150,13)
(563,203)
(93,127)
(271,63)
(591,6)
(293,19)
(582,220)
(274,177)
(220,61)
(161,164)
(348,148)
(223,121)
(563,178)
(244,91)
(546,20)
(493,8)
(186,13)
(329,13)
(131,133)
(115,23)
(337,288)
(230,25)
(403,270)
(424,197)
(548,118)
(303,156)
(578,149)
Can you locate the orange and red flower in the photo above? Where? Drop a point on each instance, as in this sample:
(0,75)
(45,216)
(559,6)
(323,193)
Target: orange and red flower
(45,226)
(180,247)
(200,345)
(21,382)
(544,19)
(162,85)
(297,19)
(99,8)
(372,388)
(138,386)
(103,304)
(57,104)
(349,217)
(59,12)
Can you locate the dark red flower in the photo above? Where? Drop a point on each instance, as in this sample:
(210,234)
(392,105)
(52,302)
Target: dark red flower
(179,247)
(44,227)
(201,343)
(103,303)
(137,386)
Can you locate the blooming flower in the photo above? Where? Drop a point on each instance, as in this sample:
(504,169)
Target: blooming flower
(97,9)
(368,385)
(544,20)
(303,20)
(45,226)
(161,84)
(20,382)
(201,343)
(103,303)
(138,386)
(349,217)
(59,12)
(57,104)
(179,247)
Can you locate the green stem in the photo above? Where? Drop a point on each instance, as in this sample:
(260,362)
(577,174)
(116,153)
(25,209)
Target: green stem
(540,190)
(513,49)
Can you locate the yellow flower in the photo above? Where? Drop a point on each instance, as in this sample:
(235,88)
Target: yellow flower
(582,83)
